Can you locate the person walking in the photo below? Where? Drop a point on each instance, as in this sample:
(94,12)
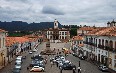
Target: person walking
(60,70)
(79,69)
(74,71)
(57,64)
(51,63)
(27,68)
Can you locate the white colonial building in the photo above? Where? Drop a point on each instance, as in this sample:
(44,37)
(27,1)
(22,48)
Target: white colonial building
(100,45)
(57,34)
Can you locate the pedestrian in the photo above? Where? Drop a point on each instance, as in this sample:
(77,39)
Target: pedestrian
(57,64)
(74,71)
(27,68)
(51,63)
(79,69)
(50,59)
(60,70)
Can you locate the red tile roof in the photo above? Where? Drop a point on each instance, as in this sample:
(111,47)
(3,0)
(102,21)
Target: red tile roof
(77,38)
(107,31)
(86,28)
(1,30)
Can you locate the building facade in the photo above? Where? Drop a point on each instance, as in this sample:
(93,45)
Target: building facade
(100,46)
(57,34)
(3,50)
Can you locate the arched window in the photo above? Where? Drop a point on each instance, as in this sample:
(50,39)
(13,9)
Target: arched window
(111,44)
(102,41)
(106,43)
(55,24)
(87,40)
(62,37)
(115,44)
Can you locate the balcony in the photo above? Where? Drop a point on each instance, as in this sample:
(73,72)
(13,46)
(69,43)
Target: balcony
(85,42)
(100,46)
(108,48)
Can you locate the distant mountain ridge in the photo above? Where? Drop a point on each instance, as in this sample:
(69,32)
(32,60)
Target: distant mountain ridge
(24,26)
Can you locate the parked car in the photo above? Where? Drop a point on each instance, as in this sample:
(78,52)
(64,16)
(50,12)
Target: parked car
(18,62)
(30,52)
(34,50)
(68,66)
(74,54)
(103,67)
(37,69)
(62,62)
(18,66)
(36,63)
(24,57)
(16,70)
(82,57)
(19,58)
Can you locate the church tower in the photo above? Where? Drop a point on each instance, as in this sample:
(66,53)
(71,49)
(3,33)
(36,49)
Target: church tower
(55,24)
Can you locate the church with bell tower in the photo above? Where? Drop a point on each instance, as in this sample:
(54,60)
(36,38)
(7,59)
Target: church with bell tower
(55,24)
(57,34)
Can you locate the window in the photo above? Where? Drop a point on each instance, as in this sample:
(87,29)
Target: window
(50,37)
(106,43)
(111,44)
(62,37)
(80,42)
(51,33)
(102,41)
(55,24)
(62,33)
(115,44)
(65,33)
(3,42)
(65,37)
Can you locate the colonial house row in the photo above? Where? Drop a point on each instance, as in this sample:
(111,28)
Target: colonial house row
(100,46)
(14,46)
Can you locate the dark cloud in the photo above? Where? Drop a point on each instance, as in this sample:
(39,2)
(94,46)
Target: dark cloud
(78,12)
(52,10)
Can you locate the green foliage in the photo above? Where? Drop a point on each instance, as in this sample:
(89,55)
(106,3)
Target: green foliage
(18,34)
(73,32)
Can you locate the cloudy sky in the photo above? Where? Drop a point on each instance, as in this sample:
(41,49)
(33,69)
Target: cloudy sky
(77,12)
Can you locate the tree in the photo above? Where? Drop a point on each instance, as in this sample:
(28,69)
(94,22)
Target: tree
(73,32)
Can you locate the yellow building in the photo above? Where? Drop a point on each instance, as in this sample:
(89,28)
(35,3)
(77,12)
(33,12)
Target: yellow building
(3,50)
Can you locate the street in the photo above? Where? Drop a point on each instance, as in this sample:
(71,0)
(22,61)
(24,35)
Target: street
(85,66)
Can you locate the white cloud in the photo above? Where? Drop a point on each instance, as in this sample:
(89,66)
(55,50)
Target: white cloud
(78,12)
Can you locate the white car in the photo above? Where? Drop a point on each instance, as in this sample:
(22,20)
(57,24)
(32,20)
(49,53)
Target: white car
(37,69)
(34,50)
(62,58)
(18,62)
(18,66)
(30,52)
